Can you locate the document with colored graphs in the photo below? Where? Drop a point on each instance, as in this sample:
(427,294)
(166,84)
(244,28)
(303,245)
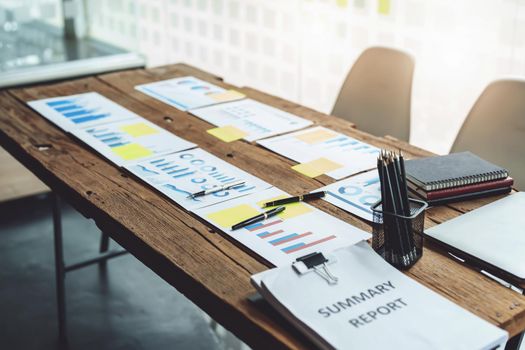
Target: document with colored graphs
(131,140)
(299,230)
(186,93)
(323,151)
(252,120)
(372,306)
(181,175)
(355,194)
(81,111)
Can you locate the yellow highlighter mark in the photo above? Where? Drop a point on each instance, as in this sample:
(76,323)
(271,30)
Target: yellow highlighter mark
(342,3)
(139,129)
(231,216)
(229,95)
(227,133)
(316,167)
(383,7)
(292,209)
(316,136)
(132,151)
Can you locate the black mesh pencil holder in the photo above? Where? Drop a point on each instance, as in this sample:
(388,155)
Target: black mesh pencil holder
(399,239)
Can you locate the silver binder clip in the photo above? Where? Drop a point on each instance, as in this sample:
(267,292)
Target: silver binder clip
(317,263)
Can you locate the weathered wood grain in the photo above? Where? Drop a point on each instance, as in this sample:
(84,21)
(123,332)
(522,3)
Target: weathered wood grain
(207,267)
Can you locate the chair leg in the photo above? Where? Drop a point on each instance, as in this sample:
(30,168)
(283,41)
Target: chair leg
(60,272)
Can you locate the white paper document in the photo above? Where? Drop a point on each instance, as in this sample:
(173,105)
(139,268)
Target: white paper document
(355,194)
(131,140)
(299,230)
(179,175)
(352,156)
(256,120)
(81,111)
(186,93)
(373,306)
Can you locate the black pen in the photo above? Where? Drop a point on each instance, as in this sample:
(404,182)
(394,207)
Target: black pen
(257,218)
(303,198)
(216,189)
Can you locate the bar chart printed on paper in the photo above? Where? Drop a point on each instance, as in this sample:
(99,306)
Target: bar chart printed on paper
(347,155)
(299,230)
(179,175)
(81,111)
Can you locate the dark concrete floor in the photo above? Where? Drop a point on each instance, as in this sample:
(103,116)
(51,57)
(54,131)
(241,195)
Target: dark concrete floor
(129,307)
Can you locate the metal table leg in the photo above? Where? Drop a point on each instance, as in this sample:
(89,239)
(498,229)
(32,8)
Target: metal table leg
(60,269)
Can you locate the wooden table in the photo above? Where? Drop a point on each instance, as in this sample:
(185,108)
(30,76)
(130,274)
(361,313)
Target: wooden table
(204,265)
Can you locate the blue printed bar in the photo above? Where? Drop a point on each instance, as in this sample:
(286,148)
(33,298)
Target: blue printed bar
(59,102)
(274,241)
(292,247)
(67,108)
(78,113)
(89,118)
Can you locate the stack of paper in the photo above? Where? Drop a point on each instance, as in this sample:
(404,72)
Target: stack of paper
(324,151)
(299,230)
(186,93)
(250,119)
(372,306)
(179,175)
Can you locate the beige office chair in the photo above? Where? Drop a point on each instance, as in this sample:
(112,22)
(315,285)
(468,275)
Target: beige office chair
(495,128)
(376,93)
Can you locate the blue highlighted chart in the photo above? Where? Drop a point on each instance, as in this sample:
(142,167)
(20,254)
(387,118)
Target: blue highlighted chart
(178,175)
(131,140)
(186,93)
(307,146)
(355,194)
(299,230)
(81,111)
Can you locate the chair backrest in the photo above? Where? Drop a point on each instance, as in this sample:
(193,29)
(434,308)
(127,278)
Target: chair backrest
(495,128)
(376,93)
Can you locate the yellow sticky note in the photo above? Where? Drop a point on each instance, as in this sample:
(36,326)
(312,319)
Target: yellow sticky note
(316,167)
(227,133)
(292,210)
(383,7)
(132,151)
(316,136)
(228,95)
(139,129)
(231,216)
(342,3)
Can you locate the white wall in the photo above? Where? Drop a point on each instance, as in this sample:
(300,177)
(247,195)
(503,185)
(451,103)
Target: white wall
(302,49)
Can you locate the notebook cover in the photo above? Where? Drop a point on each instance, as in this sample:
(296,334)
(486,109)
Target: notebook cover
(490,237)
(463,197)
(455,191)
(452,170)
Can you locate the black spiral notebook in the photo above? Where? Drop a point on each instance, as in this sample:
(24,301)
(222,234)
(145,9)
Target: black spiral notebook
(452,170)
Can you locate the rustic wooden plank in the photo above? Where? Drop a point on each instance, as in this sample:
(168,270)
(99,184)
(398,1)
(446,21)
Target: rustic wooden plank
(16,181)
(437,215)
(269,166)
(102,192)
(143,222)
(431,261)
